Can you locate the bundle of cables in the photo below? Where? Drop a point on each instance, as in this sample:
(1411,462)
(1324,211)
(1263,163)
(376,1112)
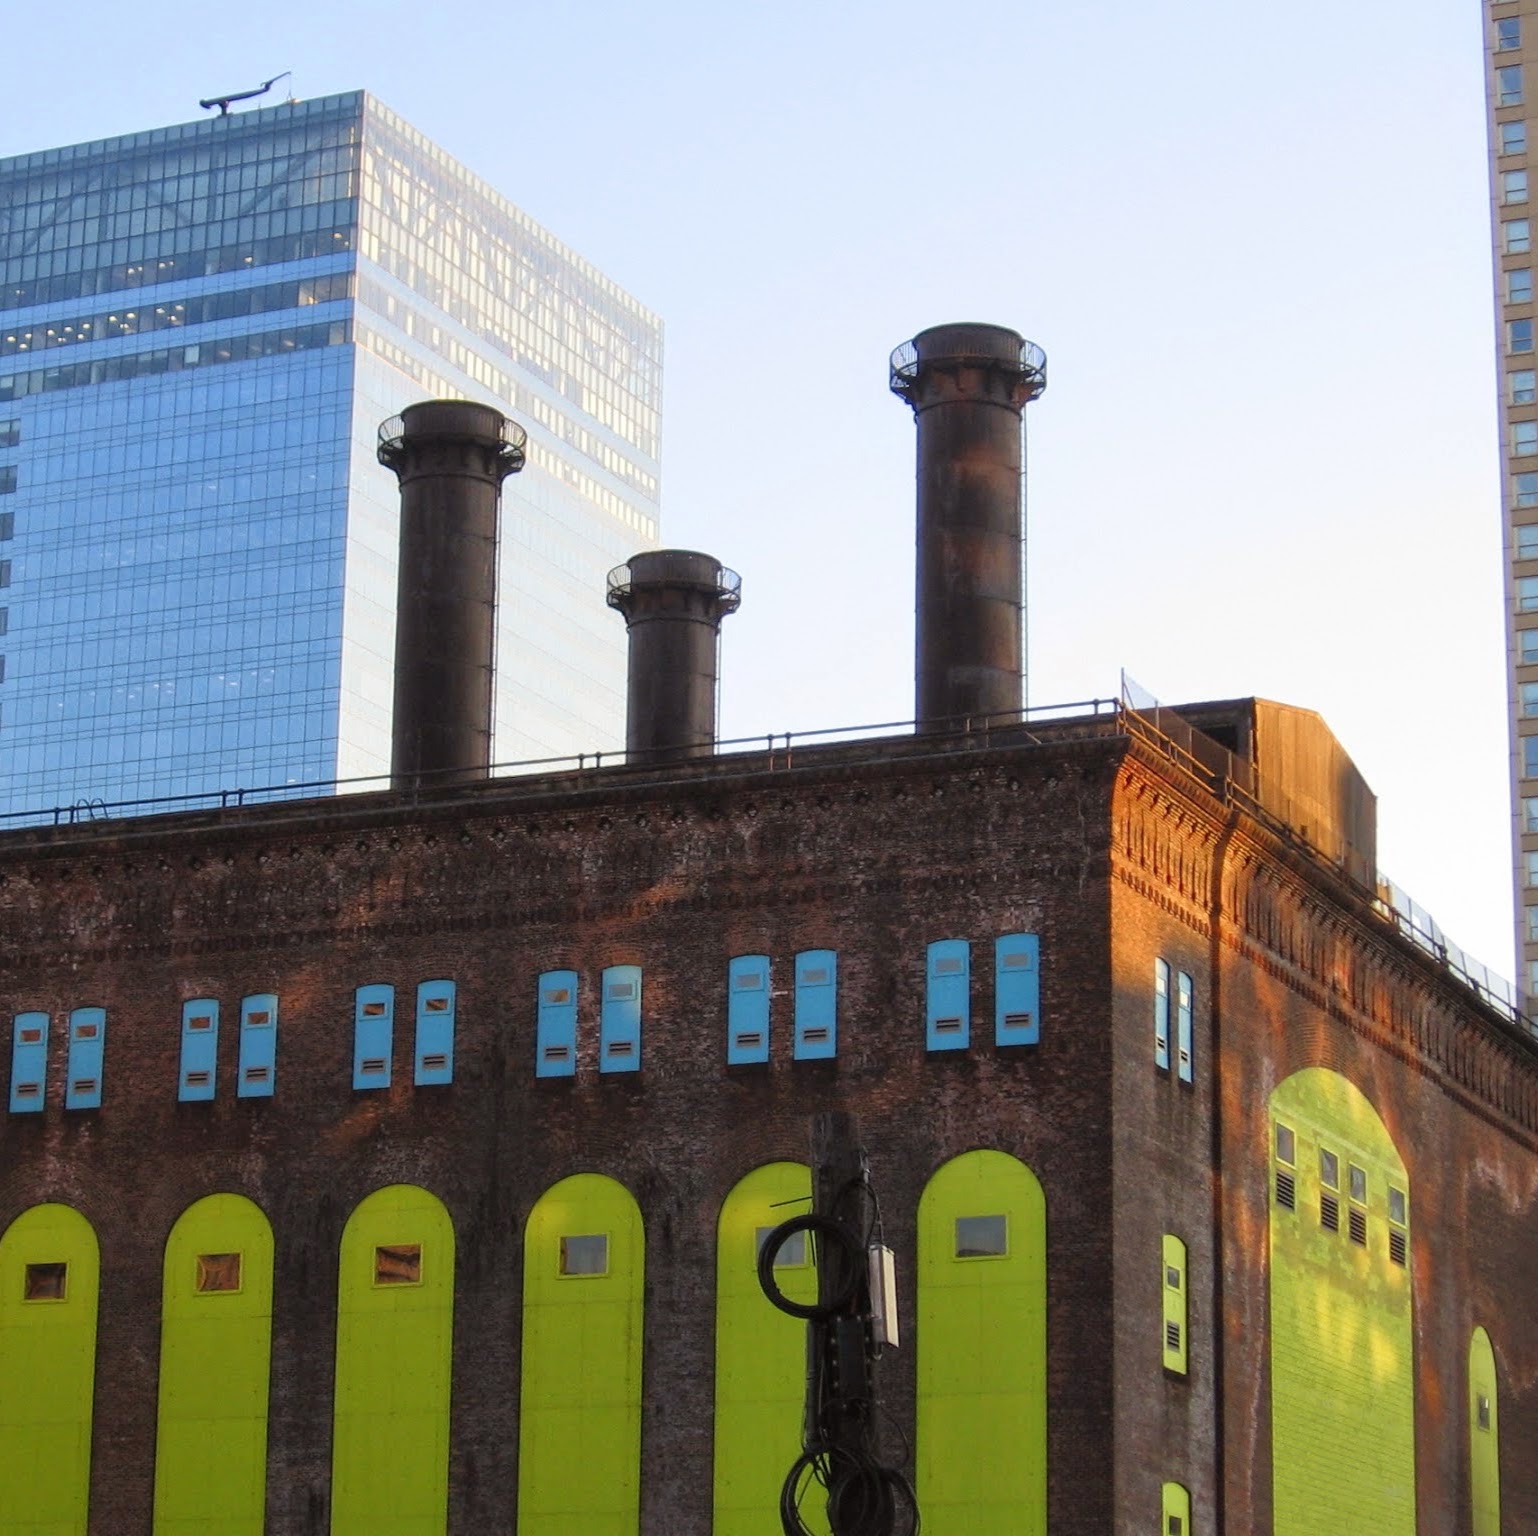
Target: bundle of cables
(866,1494)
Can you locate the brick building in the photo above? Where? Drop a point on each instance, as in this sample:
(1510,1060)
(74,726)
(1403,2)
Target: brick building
(395,1162)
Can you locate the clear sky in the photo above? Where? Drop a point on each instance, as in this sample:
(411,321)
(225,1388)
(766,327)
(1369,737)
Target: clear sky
(1253,240)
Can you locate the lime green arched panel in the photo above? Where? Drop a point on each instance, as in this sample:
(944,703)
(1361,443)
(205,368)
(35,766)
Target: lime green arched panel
(981,1446)
(1342,1360)
(760,1354)
(49,1276)
(1484,1437)
(394,1346)
(1177,1510)
(579,1424)
(215,1349)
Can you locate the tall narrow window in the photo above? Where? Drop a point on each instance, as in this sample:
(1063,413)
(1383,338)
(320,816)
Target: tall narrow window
(87,1053)
(1517,237)
(948,1005)
(1175,1308)
(1514,137)
(435,1033)
(1017,989)
(1184,1030)
(373,1036)
(1484,1437)
(1162,1015)
(816,1026)
(555,1032)
(29,1063)
(619,1024)
(747,1009)
(200,1050)
(1508,86)
(258,1046)
(1513,186)
(1508,34)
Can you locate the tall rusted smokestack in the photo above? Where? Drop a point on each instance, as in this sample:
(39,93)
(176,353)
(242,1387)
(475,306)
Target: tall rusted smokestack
(450,457)
(968,386)
(673,601)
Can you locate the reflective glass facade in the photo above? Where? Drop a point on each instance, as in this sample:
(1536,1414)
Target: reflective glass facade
(201,329)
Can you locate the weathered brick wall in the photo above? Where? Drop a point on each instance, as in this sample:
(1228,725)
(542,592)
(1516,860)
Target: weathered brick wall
(873,859)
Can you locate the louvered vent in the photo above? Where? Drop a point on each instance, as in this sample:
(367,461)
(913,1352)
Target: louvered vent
(199,1079)
(258,1074)
(373,1064)
(1329,1212)
(1358,1224)
(1017,1021)
(621,1048)
(1398,1246)
(950,1026)
(1286,1189)
(438,1061)
(1172,1336)
(83,1085)
(556,1053)
(817,1034)
(28,1090)
(750,1039)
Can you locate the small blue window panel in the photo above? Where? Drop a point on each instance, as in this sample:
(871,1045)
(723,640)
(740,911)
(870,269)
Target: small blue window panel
(1017,989)
(555,1035)
(619,1020)
(29,1063)
(258,1070)
(435,1033)
(1183,1038)
(1162,1015)
(949,995)
(200,1050)
(373,1037)
(747,1010)
(816,1005)
(87,1052)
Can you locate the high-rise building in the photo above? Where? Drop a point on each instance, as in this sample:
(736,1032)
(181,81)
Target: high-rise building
(201,329)
(1512,76)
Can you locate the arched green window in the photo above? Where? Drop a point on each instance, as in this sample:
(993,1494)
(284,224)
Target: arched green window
(1484,1437)
(760,1353)
(579,1422)
(1176,1511)
(215,1349)
(49,1275)
(394,1347)
(981,1446)
(1342,1365)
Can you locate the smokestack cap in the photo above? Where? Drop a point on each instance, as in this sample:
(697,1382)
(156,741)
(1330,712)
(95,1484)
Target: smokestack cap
(682,570)
(461,424)
(966,344)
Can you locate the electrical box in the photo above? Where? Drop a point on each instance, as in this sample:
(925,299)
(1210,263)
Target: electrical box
(883,1294)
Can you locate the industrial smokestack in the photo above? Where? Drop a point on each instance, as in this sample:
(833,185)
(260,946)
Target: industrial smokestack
(968,386)
(673,601)
(450,457)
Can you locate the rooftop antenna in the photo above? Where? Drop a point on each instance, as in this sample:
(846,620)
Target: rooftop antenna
(223,102)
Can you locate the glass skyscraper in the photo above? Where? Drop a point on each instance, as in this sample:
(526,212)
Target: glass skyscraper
(201,329)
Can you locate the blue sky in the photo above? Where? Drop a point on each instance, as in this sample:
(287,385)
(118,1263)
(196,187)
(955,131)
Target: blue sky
(1254,242)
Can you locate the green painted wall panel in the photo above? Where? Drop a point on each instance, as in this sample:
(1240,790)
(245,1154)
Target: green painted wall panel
(579,1431)
(1342,1361)
(47,1374)
(394,1349)
(1484,1437)
(981,1445)
(760,1357)
(215,1350)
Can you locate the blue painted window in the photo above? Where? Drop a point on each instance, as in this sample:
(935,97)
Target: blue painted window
(949,995)
(258,1046)
(747,1009)
(1162,1015)
(555,1036)
(1183,1032)
(1017,989)
(816,1005)
(435,1033)
(373,1037)
(200,1049)
(619,1021)
(29,1063)
(87,1051)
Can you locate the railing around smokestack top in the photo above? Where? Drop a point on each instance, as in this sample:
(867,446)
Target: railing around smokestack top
(903,369)
(512,450)
(728,586)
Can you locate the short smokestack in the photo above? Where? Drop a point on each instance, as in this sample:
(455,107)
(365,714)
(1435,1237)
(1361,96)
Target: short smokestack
(969,386)
(673,601)
(450,457)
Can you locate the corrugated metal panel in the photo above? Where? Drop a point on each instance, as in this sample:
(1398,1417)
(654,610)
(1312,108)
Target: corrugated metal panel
(29,1063)
(1017,989)
(555,1034)
(816,1005)
(87,1054)
(258,1070)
